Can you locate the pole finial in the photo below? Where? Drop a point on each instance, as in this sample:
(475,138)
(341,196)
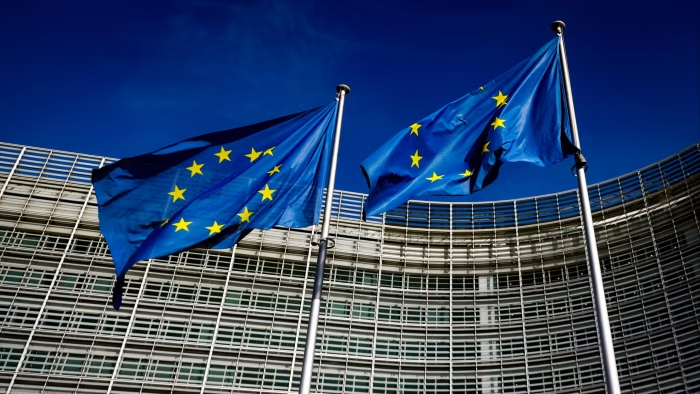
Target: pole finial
(558,27)
(342,87)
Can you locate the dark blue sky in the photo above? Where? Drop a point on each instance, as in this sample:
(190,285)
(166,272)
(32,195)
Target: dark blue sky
(121,78)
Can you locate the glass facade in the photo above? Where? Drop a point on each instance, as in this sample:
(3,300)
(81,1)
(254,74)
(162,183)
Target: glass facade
(428,298)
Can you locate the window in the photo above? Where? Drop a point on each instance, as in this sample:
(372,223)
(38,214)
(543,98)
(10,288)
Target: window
(343,275)
(339,308)
(229,336)
(330,383)
(385,385)
(36,278)
(191,372)
(276,379)
(369,278)
(9,358)
(511,347)
(161,370)
(265,301)
(270,267)
(102,285)
(222,374)
(68,281)
(81,246)
(133,368)
(514,383)
(299,270)
(360,346)
(73,364)
(438,350)
(209,295)
(101,366)
(238,298)
(463,315)
(413,314)
(21,316)
(356,384)
(282,339)
(363,311)
(288,303)
(30,240)
(12,276)
(390,312)
(463,348)
(336,344)
(250,377)
(257,338)
(200,332)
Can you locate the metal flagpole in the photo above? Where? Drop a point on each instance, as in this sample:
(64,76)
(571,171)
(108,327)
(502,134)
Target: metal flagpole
(607,352)
(308,364)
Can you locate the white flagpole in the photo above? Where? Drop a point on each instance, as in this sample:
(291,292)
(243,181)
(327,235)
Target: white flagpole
(607,352)
(308,364)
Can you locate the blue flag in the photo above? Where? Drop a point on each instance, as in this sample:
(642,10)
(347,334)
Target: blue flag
(209,191)
(457,150)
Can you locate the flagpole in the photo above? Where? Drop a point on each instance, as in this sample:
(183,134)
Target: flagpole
(607,352)
(308,364)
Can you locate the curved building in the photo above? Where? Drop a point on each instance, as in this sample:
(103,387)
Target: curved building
(429,298)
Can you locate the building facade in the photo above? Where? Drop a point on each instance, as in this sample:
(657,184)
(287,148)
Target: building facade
(428,298)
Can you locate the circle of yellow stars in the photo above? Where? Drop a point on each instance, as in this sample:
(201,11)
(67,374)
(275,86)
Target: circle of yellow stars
(224,155)
(501,100)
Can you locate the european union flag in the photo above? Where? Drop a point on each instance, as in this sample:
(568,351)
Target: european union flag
(209,191)
(458,150)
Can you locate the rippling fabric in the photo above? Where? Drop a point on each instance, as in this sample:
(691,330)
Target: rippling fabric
(521,116)
(211,190)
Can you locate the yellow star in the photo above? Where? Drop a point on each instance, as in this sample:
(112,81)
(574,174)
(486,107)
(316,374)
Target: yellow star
(245,216)
(178,193)
(500,99)
(267,193)
(435,177)
(181,225)
(466,173)
(274,170)
(485,148)
(415,159)
(481,88)
(215,228)
(414,128)
(269,151)
(253,154)
(195,168)
(498,123)
(165,222)
(223,155)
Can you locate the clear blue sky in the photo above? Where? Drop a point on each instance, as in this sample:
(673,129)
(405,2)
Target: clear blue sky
(121,78)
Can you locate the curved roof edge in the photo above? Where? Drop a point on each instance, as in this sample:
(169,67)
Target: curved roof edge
(361,196)
(695,146)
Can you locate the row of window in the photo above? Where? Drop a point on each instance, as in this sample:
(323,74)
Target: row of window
(275,377)
(101,365)
(466,344)
(336,275)
(535,309)
(70,281)
(182,293)
(39,163)
(53,362)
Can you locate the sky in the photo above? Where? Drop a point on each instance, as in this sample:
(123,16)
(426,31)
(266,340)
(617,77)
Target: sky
(122,78)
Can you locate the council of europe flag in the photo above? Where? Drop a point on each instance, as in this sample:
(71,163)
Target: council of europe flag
(211,190)
(458,149)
